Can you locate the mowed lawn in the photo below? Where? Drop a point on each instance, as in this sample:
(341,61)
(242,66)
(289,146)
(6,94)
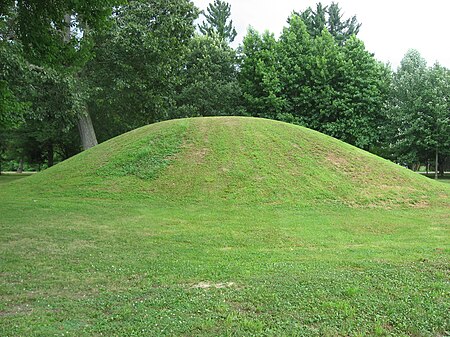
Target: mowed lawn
(224,227)
(103,267)
(9,177)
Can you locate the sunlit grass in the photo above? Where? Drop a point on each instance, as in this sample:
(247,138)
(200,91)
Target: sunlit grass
(89,253)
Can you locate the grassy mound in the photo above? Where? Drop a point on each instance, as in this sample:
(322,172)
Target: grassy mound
(191,228)
(236,160)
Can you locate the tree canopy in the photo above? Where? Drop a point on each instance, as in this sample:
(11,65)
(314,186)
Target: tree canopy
(420,111)
(218,21)
(68,66)
(329,17)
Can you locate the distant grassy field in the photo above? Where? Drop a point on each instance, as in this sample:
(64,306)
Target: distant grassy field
(445,179)
(8,177)
(152,241)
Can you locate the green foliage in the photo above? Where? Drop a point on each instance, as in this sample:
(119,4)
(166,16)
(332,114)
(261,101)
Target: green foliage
(362,95)
(39,109)
(234,236)
(47,35)
(314,81)
(13,75)
(338,90)
(295,59)
(259,76)
(217,23)
(209,85)
(14,105)
(10,109)
(437,96)
(49,120)
(139,64)
(419,110)
(55,39)
(329,17)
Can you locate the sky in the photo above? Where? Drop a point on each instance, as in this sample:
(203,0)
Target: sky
(389,27)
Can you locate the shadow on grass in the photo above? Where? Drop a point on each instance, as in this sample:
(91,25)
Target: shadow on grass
(7,177)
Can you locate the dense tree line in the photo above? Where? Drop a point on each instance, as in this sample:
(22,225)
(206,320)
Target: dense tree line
(419,110)
(314,81)
(71,73)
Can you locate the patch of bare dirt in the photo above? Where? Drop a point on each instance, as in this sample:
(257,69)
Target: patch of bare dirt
(199,155)
(208,285)
(337,160)
(421,204)
(23,309)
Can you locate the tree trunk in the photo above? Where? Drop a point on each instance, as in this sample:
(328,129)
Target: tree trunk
(85,127)
(87,132)
(67,33)
(442,167)
(50,154)
(436,166)
(20,168)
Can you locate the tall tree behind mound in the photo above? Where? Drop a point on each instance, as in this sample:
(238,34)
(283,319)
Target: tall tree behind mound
(218,21)
(139,64)
(337,90)
(314,81)
(57,35)
(420,112)
(259,76)
(209,85)
(329,17)
(38,103)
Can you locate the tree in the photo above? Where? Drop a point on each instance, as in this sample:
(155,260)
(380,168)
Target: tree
(13,79)
(139,64)
(57,34)
(420,112)
(295,69)
(329,17)
(438,103)
(362,94)
(217,18)
(338,90)
(259,76)
(38,102)
(406,111)
(12,75)
(209,86)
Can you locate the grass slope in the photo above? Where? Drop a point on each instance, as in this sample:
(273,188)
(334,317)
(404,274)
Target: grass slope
(232,159)
(224,226)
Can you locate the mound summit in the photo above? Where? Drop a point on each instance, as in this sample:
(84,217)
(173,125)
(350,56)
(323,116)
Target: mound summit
(235,159)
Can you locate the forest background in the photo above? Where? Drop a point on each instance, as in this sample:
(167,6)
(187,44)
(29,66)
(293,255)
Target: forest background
(75,73)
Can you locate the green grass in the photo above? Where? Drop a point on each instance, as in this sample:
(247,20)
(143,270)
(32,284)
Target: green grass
(220,232)
(9,177)
(445,179)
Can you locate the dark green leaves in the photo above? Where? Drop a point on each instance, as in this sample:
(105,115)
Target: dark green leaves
(420,110)
(314,81)
(139,64)
(218,21)
(209,84)
(329,17)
